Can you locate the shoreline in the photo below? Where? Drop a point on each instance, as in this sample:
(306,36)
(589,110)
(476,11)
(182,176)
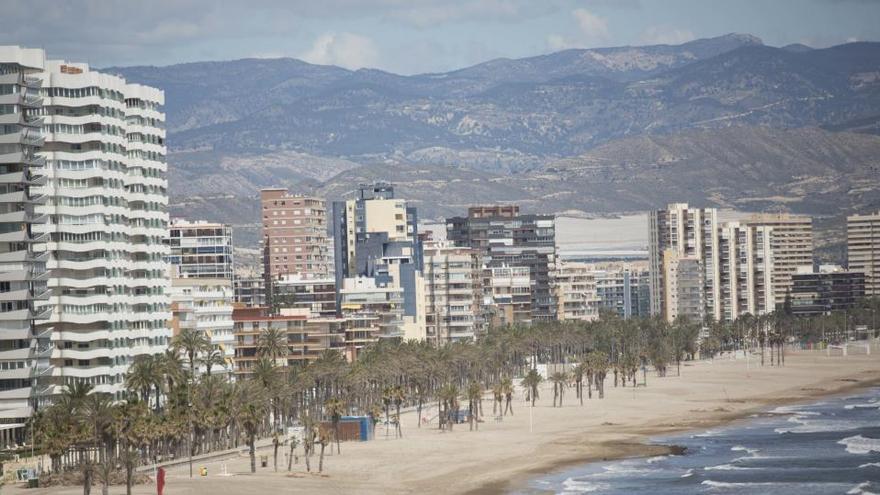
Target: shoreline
(617,451)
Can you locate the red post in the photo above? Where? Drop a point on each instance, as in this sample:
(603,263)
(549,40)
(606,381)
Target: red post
(160,480)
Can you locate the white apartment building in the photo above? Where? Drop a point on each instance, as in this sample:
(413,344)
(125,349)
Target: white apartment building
(575,285)
(747,270)
(863,249)
(107,223)
(373,311)
(200,249)
(205,305)
(683,287)
(24,349)
(507,291)
(688,233)
(452,290)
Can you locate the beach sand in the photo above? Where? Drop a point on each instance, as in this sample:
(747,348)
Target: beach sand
(505,454)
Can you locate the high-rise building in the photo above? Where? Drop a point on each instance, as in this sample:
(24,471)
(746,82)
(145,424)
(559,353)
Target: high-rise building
(504,237)
(791,242)
(691,236)
(684,287)
(107,200)
(746,260)
(200,249)
(24,349)
(575,285)
(376,236)
(452,288)
(294,236)
(863,249)
(624,290)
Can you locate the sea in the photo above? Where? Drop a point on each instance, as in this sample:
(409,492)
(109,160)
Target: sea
(826,447)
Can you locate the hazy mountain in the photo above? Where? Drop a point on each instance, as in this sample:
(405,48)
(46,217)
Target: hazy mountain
(725,121)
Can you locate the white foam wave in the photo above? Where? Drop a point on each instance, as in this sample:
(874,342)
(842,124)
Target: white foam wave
(572,485)
(729,467)
(866,405)
(809,425)
(707,433)
(794,410)
(658,458)
(861,489)
(724,484)
(870,464)
(861,445)
(688,473)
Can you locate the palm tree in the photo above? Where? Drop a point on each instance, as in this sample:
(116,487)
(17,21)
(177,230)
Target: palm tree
(335,408)
(191,342)
(559,380)
(507,387)
(475,394)
(399,395)
(142,375)
(272,343)
(449,397)
(531,382)
(211,358)
(251,410)
(578,373)
(96,414)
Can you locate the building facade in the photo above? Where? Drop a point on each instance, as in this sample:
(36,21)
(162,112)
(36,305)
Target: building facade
(294,236)
(506,238)
(507,292)
(376,236)
(791,243)
(823,291)
(315,295)
(746,272)
(250,291)
(576,293)
(200,249)
(624,290)
(205,305)
(107,223)
(307,336)
(689,234)
(453,292)
(25,349)
(683,287)
(863,249)
(372,312)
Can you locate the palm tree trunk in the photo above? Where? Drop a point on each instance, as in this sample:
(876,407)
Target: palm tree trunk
(321,459)
(252,451)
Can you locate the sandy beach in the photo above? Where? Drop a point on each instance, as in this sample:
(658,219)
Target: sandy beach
(505,454)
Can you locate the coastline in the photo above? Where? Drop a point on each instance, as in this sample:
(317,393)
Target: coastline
(505,455)
(615,451)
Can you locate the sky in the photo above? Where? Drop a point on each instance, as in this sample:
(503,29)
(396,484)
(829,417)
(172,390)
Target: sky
(408,36)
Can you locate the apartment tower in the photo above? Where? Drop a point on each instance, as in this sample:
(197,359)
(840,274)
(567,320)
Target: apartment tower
(506,238)
(200,249)
(107,224)
(791,242)
(452,287)
(691,235)
(24,349)
(863,249)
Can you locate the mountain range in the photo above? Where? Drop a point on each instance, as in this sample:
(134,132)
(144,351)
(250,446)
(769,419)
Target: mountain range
(725,121)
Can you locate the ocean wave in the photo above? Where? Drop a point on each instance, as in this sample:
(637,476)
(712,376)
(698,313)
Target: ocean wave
(808,425)
(870,464)
(581,486)
(861,445)
(866,405)
(705,434)
(688,473)
(729,467)
(862,489)
(795,410)
(658,458)
(726,484)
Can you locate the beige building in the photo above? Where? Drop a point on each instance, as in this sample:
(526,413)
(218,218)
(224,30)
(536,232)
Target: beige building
(863,249)
(575,285)
(508,293)
(373,311)
(294,235)
(791,243)
(683,287)
(452,290)
(205,305)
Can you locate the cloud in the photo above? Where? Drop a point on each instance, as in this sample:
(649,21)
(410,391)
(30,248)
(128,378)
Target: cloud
(661,35)
(591,29)
(591,25)
(348,50)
